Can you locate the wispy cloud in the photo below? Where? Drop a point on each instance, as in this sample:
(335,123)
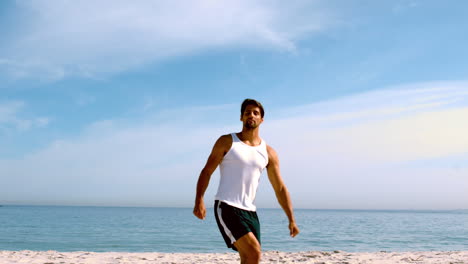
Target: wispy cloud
(84,99)
(23,68)
(405,5)
(379,159)
(406,122)
(377,149)
(112,36)
(11,118)
(140,164)
(381,104)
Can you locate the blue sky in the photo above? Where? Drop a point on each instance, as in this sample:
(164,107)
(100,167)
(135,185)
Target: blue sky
(118,103)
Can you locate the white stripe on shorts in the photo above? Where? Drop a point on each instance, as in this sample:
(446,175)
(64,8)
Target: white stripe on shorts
(226,229)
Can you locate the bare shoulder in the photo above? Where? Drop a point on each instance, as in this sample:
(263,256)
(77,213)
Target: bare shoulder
(225,140)
(272,155)
(271,150)
(223,143)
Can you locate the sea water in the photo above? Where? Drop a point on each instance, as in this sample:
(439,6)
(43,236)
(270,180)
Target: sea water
(136,229)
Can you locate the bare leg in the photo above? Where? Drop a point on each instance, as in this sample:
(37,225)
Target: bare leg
(249,249)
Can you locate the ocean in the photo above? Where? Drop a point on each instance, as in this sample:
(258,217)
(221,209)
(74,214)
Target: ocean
(137,229)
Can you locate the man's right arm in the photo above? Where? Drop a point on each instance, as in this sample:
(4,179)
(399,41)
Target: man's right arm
(221,147)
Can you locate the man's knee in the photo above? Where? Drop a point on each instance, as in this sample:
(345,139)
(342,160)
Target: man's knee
(252,255)
(256,253)
(252,251)
(249,248)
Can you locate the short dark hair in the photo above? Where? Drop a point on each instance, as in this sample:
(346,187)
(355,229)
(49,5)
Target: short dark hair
(252,102)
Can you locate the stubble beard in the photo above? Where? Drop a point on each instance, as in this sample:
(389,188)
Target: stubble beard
(252,125)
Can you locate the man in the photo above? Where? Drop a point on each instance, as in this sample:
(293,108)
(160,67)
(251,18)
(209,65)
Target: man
(242,158)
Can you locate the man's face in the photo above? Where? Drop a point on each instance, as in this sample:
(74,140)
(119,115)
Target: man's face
(252,117)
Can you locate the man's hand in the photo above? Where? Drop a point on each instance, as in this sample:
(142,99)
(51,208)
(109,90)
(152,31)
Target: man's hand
(199,210)
(293,229)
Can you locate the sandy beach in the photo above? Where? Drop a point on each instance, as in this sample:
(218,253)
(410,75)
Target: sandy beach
(335,257)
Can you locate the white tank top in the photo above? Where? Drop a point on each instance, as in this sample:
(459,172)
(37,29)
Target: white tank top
(240,170)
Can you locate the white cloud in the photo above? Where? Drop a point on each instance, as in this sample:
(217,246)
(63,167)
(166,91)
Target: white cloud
(380,159)
(90,38)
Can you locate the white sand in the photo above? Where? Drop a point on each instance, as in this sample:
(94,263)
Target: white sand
(336,257)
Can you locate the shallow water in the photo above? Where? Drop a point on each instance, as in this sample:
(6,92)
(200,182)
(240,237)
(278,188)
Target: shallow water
(135,229)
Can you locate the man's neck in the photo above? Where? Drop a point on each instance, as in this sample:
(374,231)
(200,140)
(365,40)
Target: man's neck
(250,136)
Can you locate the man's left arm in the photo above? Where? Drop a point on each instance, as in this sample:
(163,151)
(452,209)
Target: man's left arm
(282,193)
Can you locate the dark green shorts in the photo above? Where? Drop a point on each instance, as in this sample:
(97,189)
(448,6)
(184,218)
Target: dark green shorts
(234,223)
